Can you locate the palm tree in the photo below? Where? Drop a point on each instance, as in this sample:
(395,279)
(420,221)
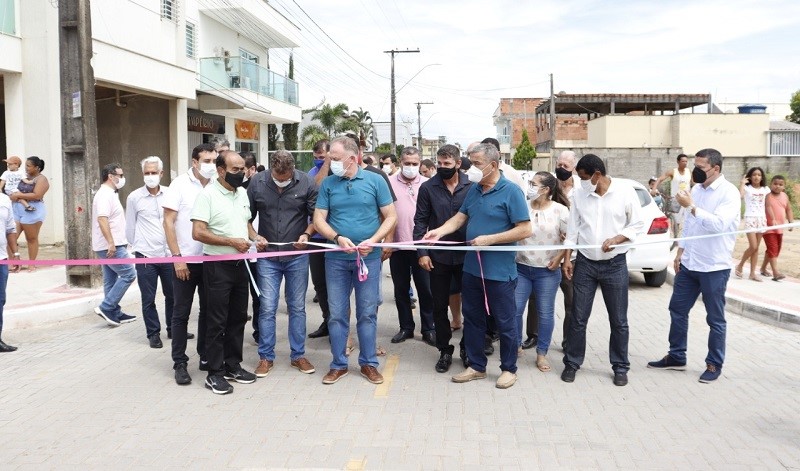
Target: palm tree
(311,134)
(363,122)
(330,117)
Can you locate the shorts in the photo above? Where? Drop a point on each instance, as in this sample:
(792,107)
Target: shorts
(755,222)
(773,241)
(29,217)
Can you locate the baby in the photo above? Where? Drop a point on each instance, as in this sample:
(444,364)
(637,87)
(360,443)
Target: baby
(10,179)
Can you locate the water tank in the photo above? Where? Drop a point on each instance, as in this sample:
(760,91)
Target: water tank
(752,109)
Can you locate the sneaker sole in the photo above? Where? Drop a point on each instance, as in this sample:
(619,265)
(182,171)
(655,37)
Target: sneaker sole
(263,375)
(217,391)
(376,381)
(329,381)
(183,383)
(128,321)
(467,380)
(706,381)
(308,372)
(239,380)
(109,320)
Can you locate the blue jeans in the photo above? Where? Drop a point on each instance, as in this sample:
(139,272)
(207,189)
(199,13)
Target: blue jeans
(544,283)
(3,285)
(342,277)
(270,272)
(612,277)
(688,285)
(116,281)
(147,275)
(503,309)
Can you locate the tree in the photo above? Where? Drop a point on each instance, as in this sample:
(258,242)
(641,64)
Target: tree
(272,136)
(289,131)
(524,153)
(332,118)
(311,134)
(794,104)
(363,125)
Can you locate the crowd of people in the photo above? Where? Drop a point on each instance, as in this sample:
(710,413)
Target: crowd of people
(575,224)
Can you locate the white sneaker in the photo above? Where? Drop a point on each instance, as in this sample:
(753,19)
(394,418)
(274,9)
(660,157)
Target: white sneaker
(506,380)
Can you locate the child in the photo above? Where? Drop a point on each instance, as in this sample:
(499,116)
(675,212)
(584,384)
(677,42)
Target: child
(655,193)
(11,178)
(778,212)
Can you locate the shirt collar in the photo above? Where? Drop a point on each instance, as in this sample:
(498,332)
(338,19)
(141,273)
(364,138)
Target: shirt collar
(218,186)
(359,174)
(716,183)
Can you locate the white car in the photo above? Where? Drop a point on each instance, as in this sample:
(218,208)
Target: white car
(651,259)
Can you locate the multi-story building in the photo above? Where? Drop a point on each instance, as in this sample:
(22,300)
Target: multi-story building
(169,74)
(510,118)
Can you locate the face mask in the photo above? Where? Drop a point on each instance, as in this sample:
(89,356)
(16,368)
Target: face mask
(410,172)
(563,174)
(698,175)
(338,168)
(208,170)
(588,186)
(152,181)
(387,168)
(533,192)
(234,179)
(120,183)
(318,162)
(281,184)
(446,173)
(475,174)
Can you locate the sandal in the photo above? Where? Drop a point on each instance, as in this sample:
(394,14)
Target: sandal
(542,363)
(778,277)
(756,278)
(766,274)
(380,351)
(738,272)
(30,208)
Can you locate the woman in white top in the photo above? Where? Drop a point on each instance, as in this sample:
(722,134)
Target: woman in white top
(539,271)
(754,192)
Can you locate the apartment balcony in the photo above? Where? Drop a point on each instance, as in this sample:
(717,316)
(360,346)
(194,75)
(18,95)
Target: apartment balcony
(505,143)
(251,91)
(255,19)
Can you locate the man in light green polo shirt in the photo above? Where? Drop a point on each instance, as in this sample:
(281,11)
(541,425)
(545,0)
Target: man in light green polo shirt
(220,220)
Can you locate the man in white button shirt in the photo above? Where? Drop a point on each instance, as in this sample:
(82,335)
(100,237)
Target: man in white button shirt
(144,228)
(703,266)
(604,212)
(178,205)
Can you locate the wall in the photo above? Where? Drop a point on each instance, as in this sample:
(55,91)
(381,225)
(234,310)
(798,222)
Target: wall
(630,131)
(731,134)
(629,162)
(128,135)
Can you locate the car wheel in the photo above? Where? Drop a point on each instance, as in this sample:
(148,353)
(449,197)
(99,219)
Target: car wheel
(655,278)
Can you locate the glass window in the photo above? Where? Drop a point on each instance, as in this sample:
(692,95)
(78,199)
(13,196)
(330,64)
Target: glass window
(191,40)
(169,9)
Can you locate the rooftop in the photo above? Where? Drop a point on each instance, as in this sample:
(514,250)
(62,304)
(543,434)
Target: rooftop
(622,103)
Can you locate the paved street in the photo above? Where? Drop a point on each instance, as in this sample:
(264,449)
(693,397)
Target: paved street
(81,395)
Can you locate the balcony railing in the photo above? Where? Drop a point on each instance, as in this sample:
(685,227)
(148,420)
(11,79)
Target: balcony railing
(504,138)
(8,19)
(234,73)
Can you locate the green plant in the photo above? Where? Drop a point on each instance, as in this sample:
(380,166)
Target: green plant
(524,153)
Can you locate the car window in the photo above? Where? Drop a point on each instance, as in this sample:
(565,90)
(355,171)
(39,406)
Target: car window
(644,196)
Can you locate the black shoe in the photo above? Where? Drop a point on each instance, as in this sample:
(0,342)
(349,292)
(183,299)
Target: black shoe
(429,338)
(189,335)
(402,336)
(494,336)
(218,385)
(463,354)
(321,332)
(620,378)
(488,348)
(126,318)
(203,366)
(413,304)
(445,360)
(6,348)
(568,375)
(181,375)
(316,299)
(529,343)
(240,375)
(155,341)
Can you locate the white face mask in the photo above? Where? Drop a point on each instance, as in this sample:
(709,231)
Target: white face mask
(208,170)
(588,186)
(281,184)
(338,168)
(475,174)
(152,181)
(410,172)
(387,168)
(120,183)
(533,192)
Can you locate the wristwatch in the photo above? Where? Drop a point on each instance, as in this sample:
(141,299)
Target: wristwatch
(336,238)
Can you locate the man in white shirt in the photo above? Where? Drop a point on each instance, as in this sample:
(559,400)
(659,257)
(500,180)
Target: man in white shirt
(606,213)
(188,277)
(703,266)
(108,241)
(8,249)
(144,225)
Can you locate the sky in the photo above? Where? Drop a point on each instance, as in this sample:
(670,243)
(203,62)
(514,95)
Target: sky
(740,51)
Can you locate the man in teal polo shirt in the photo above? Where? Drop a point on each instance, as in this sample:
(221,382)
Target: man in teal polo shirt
(221,221)
(495,214)
(353,207)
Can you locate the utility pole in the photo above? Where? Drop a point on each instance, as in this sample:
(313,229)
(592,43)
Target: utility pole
(394,101)
(552,117)
(419,122)
(80,155)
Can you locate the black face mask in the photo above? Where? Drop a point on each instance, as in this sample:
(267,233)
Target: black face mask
(698,175)
(446,173)
(234,179)
(563,174)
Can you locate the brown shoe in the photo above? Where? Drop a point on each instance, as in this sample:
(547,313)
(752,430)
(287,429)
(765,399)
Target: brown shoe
(372,375)
(334,376)
(263,368)
(303,365)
